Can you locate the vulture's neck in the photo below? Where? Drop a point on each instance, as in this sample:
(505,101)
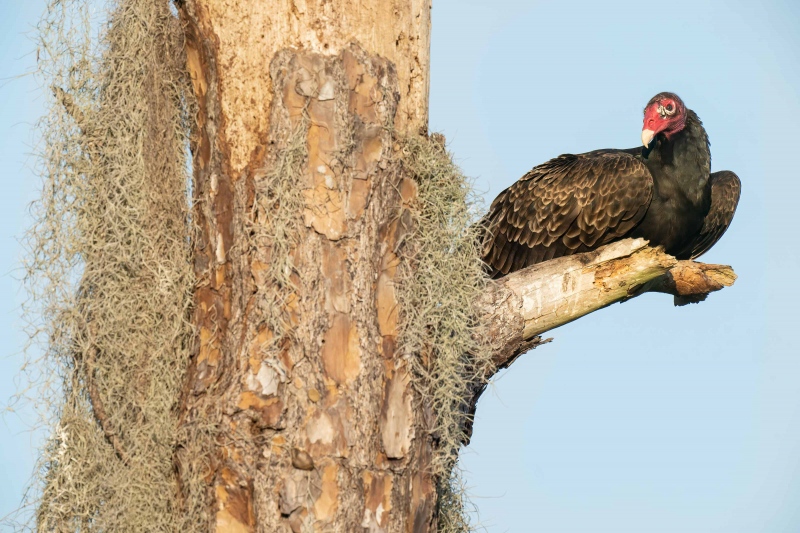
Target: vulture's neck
(683,161)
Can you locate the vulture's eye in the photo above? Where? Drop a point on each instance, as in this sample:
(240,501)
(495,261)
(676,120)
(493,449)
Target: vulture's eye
(670,107)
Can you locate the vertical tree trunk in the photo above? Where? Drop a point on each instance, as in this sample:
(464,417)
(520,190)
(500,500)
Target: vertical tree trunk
(298,413)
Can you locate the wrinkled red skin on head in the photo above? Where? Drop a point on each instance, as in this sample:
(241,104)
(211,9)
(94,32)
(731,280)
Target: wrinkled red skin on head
(668,125)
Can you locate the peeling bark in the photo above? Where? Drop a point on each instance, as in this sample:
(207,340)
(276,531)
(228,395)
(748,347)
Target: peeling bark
(310,420)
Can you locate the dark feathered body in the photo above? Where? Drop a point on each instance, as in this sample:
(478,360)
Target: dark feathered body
(681,200)
(576,203)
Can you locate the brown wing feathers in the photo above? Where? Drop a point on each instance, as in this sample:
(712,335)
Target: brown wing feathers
(570,204)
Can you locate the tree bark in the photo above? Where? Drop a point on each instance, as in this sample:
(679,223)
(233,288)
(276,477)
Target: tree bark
(297,412)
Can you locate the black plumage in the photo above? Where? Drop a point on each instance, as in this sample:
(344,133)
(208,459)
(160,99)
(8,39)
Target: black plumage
(662,192)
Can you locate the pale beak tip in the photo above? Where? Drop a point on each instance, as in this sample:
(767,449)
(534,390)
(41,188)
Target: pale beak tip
(647,137)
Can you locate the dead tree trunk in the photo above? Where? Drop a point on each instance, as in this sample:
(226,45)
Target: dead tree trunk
(297,413)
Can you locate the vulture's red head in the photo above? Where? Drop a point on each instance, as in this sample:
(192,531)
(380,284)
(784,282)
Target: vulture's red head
(664,113)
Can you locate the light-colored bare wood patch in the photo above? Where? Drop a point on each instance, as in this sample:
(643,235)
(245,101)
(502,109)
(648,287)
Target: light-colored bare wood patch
(397,418)
(325,506)
(247,35)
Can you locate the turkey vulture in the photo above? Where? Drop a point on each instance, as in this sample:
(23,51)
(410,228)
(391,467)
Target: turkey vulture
(662,192)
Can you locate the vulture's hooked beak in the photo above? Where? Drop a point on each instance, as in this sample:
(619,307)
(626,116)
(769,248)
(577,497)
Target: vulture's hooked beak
(647,137)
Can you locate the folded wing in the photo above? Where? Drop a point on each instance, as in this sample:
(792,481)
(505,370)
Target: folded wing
(568,205)
(725,191)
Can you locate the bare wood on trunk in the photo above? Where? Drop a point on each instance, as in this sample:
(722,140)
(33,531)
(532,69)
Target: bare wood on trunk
(242,37)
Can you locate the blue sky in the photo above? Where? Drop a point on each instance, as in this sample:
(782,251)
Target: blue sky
(641,417)
(20,106)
